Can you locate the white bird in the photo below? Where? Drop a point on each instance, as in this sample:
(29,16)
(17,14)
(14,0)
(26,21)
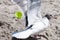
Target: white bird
(35,24)
(36,27)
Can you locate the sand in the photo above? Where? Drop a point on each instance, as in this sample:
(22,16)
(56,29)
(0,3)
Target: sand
(9,24)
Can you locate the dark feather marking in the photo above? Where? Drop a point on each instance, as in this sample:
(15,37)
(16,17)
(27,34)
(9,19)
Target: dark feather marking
(48,16)
(29,26)
(26,17)
(29,38)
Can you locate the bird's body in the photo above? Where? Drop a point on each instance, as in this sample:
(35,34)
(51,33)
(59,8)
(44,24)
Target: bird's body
(37,26)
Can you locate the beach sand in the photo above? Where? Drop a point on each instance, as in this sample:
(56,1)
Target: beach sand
(9,24)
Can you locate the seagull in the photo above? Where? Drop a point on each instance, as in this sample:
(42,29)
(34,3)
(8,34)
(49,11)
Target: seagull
(34,22)
(36,27)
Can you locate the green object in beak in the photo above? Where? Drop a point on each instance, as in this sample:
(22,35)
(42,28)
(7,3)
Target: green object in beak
(18,14)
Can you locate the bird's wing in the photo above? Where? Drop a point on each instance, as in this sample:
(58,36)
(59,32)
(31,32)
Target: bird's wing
(40,25)
(22,35)
(21,3)
(32,13)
